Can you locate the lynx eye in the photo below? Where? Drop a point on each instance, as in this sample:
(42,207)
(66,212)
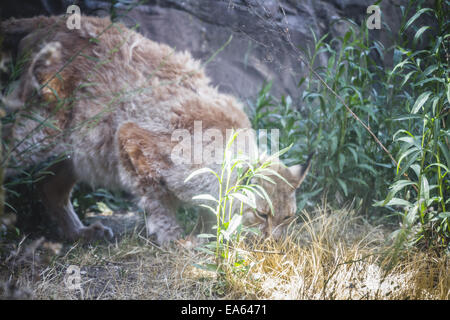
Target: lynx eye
(261,214)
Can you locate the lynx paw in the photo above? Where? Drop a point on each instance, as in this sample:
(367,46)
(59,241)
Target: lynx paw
(96,231)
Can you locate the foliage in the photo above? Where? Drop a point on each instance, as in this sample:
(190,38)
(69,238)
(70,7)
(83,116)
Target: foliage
(99,200)
(348,163)
(420,194)
(406,105)
(235,188)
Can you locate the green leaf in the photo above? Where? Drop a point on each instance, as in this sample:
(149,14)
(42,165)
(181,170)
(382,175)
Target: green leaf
(416,168)
(276,174)
(438,165)
(406,154)
(445,151)
(407,78)
(400,65)
(353,152)
(209,208)
(264,177)
(402,169)
(232,227)
(358,180)
(420,101)
(245,199)
(430,70)
(408,117)
(444,215)
(395,188)
(419,33)
(200,171)
(343,186)
(204,197)
(448,92)
(411,216)
(399,202)
(414,17)
(367,167)
(425,188)
(428,80)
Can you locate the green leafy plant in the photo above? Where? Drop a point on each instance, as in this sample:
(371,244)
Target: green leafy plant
(421,193)
(235,188)
(405,105)
(99,200)
(349,163)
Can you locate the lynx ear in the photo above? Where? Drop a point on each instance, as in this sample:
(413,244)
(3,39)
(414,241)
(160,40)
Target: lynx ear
(300,171)
(141,151)
(132,142)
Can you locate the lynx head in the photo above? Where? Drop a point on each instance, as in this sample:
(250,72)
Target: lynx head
(282,196)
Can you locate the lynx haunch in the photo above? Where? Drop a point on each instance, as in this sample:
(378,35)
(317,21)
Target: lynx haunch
(112,99)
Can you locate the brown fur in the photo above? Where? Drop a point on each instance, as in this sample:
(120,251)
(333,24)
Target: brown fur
(115,102)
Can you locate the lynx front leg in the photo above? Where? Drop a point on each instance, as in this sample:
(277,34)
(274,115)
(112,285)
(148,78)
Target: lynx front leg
(143,158)
(55,194)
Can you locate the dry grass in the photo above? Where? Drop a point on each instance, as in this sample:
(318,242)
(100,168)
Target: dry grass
(330,256)
(339,256)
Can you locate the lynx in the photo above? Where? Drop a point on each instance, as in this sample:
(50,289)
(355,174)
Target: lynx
(111,100)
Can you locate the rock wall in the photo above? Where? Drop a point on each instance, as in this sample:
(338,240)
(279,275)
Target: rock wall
(263,32)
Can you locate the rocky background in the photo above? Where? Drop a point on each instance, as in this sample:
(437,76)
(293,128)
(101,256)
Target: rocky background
(260,49)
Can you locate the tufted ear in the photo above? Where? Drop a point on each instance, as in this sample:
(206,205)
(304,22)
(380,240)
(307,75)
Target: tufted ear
(132,142)
(299,172)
